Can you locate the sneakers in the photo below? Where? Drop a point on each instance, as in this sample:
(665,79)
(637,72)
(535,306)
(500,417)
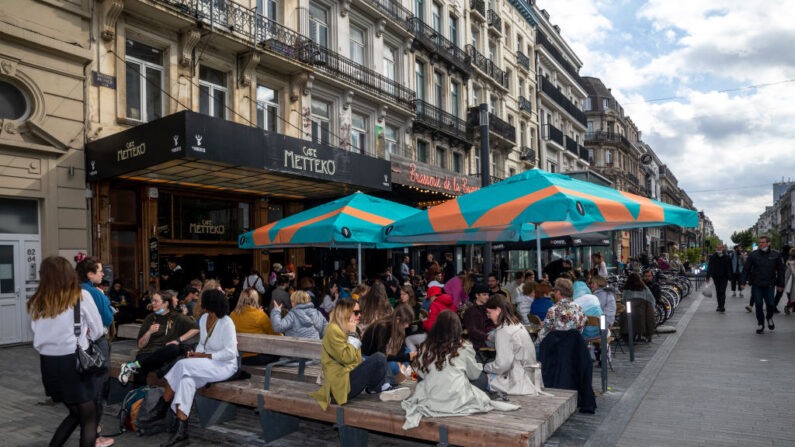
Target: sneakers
(127,369)
(770,324)
(104,442)
(395,394)
(749,308)
(761,329)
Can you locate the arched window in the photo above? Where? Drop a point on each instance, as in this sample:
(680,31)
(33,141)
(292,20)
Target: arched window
(13,102)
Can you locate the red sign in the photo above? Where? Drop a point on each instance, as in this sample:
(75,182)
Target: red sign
(451,184)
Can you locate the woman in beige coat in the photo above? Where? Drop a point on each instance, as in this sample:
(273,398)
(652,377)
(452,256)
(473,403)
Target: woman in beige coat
(514,369)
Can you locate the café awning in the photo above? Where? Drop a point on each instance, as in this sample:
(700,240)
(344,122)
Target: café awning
(192,149)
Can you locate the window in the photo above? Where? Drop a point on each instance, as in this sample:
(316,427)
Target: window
(552,167)
(454,99)
(419,9)
(391,141)
(318,25)
(477,162)
(268,8)
(420,80)
(144,69)
(586,104)
(475,39)
(521,86)
(492,51)
(357,44)
(519,42)
(267,108)
(215,9)
(608,157)
(493,164)
(492,104)
(522,130)
(454,29)
(359,133)
(605,104)
(507,35)
(508,76)
(422,151)
(437,89)
(13,103)
(436,16)
(212,92)
(441,158)
(590,126)
(320,121)
(475,96)
(590,156)
(458,162)
(389,63)
(511,172)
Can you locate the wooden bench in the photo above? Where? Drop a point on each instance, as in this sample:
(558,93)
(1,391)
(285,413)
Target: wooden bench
(281,404)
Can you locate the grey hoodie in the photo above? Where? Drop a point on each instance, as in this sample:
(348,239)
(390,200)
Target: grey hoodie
(302,321)
(607,299)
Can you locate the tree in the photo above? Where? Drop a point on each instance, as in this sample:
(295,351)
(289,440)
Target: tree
(746,238)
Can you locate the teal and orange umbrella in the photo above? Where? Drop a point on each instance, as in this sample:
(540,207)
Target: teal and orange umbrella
(354,221)
(534,205)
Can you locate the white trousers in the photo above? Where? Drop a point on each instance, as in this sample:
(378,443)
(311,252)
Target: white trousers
(187,375)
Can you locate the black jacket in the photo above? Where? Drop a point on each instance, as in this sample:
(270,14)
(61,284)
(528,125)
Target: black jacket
(719,267)
(566,364)
(764,269)
(554,269)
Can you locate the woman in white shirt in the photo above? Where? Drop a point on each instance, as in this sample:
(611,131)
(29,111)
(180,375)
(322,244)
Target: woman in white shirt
(599,265)
(214,360)
(52,310)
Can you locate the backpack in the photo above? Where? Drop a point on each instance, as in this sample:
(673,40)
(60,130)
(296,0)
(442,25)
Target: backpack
(130,407)
(144,423)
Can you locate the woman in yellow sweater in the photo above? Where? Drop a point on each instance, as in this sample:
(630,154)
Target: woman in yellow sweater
(249,318)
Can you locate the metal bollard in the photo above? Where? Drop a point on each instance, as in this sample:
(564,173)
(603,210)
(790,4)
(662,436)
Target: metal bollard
(629,333)
(603,332)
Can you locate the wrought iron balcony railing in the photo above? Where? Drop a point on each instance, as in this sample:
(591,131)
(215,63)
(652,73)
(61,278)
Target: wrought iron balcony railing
(434,42)
(552,133)
(396,11)
(525,105)
(496,125)
(603,136)
(584,154)
(437,120)
(478,6)
(633,179)
(495,179)
(494,20)
(341,67)
(544,41)
(562,100)
(523,60)
(485,65)
(528,154)
(571,146)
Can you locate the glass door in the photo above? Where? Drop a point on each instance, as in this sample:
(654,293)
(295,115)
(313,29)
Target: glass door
(11,302)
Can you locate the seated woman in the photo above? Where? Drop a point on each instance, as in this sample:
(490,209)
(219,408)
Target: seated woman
(214,360)
(331,297)
(524,301)
(249,318)
(515,369)
(375,305)
(590,306)
(345,374)
(607,298)
(565,314)
(635,288)
(447,366)
(415,333)
(160,338)
(542,302)
(388,336)
(303,320)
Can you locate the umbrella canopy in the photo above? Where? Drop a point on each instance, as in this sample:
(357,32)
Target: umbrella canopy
(353,221)
(510,210)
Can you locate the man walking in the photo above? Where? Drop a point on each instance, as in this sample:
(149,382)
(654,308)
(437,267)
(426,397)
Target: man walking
(737,268)
(765,272)
(719,269)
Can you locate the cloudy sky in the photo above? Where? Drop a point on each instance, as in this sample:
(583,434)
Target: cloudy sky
(725,140)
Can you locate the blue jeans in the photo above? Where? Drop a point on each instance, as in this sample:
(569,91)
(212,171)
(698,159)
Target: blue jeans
(763,294)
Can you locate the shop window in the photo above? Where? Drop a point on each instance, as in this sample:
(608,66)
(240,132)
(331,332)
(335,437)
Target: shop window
(165,228)
(144,72)
(212,92)
(267,108)
(123,244)
(13,103)
(359,133)
(207,219)
(19,216)
(320,121)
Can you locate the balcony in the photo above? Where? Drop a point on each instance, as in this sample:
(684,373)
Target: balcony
(488,67)
(503,132)
(561,100)
(525,105)
(572,146)
(243,23)
(602,136)
(494,179)
(437,45)
(633,179)
(584,154)
(523,60)
(552,133)
(342,68)
(479,8)
(542,40)
(494,21)
(440,123)
(395,11)
(528,154)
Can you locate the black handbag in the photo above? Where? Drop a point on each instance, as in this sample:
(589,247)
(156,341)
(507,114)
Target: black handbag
(91,360)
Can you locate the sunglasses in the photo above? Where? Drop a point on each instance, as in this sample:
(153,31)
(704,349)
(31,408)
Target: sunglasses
(357,312)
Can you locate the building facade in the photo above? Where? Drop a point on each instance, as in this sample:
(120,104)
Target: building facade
(44,52)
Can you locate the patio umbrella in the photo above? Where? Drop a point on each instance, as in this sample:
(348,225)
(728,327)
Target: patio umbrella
(533,205)
(354,221)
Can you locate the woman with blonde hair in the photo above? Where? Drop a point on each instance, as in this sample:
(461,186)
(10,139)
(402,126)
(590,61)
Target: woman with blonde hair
(375,305)
(53,309)
(249,318)
(303,320)
(345,374)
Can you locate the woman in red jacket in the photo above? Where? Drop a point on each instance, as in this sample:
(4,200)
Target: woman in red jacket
(442,302)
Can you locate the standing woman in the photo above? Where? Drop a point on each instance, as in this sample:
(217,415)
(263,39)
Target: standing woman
(214,360)
(52,310)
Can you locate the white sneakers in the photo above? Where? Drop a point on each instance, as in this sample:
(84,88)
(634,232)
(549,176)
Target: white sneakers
(395,394)
(127,369)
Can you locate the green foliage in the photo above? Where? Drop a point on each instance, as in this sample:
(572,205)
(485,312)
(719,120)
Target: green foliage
(746,238)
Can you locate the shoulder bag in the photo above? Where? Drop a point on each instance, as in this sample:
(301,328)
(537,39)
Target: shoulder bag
(91,360)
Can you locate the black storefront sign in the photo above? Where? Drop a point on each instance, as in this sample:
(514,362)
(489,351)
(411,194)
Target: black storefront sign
(154,258)
(582,240)
(192,135)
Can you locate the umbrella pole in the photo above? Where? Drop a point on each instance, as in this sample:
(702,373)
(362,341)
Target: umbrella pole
(359,261)
(538,252)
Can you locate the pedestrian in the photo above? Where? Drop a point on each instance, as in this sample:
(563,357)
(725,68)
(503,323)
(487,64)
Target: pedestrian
(405,269)
(719,269)
(738,261)
(599,266)
(764,271)
(52,310)
(789,282)
(783,259)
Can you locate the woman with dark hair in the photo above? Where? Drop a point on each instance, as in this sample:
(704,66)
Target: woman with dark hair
(214,360)
(635,288)
(52,310)
(375,305)
(388,336)
(333,293)
(514,369)
(415,333)
(448,367)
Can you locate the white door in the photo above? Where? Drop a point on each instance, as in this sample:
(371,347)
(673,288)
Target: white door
(12,304)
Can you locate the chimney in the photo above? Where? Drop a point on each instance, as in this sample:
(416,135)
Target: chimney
(545,13)
(557,28)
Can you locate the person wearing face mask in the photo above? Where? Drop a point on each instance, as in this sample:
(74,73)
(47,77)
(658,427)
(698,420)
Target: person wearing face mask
(719,269)
(159,339)
(765,272)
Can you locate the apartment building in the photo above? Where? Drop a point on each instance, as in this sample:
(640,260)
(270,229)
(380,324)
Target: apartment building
(560,97)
